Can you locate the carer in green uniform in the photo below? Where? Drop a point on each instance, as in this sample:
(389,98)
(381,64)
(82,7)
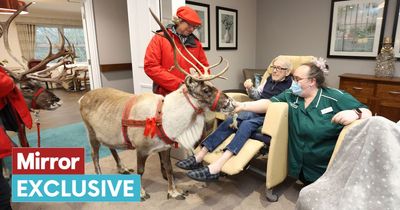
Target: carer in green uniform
(312,135)
(317,114)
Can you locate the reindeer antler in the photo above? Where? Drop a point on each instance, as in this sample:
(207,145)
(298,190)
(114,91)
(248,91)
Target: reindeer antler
(34,72)
(202,76)
(63,53)
(4,26)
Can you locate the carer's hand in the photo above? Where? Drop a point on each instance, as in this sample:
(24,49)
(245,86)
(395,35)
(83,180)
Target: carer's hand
(238,106)
(248,84)
(345,117)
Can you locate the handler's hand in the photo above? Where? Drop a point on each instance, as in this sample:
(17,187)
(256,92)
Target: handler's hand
(345,117)
(248,84)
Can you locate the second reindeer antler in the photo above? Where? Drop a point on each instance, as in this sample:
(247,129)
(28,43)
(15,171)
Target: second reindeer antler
(202,76)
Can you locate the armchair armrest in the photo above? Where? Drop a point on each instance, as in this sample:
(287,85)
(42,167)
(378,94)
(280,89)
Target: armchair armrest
(276,126)
(240,97)
(341,137)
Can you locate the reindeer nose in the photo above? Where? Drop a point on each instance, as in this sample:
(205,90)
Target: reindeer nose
(227,103)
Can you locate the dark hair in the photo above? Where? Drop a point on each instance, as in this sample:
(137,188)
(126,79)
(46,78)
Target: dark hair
(317,73)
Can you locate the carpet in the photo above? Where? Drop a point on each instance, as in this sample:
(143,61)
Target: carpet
(71,135)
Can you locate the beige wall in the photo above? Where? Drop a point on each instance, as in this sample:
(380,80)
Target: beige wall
(113,41)
(244,56)
(267,28)
(301,28)
(14,44)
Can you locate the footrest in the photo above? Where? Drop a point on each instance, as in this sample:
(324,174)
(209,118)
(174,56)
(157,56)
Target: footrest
(237,163)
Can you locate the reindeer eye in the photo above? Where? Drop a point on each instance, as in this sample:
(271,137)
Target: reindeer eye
(207,90)
(26,89)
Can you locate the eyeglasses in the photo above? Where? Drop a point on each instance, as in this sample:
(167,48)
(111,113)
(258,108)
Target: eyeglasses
(191,26)
(278,68)
(298,79)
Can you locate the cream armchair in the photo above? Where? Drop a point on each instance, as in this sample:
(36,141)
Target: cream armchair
(277,130)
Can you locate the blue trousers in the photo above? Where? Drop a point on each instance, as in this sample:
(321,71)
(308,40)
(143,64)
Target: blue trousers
(248,122)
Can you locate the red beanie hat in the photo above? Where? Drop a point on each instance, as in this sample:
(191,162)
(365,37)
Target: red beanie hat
(189,15)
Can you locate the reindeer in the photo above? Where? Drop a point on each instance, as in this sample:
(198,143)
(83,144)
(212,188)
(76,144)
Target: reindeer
(36,97)
(39,72)
(151,123)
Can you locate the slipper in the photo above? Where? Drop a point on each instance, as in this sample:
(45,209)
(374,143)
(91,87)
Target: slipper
(189,163)
(203,175)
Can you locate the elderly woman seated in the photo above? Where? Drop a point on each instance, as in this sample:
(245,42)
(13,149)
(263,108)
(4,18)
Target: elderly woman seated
(248,122)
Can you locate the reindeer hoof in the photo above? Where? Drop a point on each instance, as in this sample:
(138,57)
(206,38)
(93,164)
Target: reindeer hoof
(186,193)
(126,171)
(179,197)
(145,197)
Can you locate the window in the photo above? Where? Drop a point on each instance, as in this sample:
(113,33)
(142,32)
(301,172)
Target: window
(42,45)
(74,35)
(77,38)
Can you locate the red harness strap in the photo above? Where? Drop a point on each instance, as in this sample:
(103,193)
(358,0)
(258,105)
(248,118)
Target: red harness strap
(35,96)
(38,133)
(214,105)
(186,94)
(160,131)
(126,122)
(151,125)
(34,106)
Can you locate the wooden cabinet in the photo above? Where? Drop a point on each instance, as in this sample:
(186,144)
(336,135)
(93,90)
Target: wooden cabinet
(381,95)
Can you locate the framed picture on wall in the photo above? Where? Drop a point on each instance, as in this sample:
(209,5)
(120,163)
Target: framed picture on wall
(227,28)
(203,32)
(396,31)
(356,28)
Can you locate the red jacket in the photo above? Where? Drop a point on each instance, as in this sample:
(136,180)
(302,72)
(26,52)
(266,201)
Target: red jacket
(159,59)
(9,93)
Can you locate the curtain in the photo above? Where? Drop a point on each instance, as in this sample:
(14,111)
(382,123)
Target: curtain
(26,36)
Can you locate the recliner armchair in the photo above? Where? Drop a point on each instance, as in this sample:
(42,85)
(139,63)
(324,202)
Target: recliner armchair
(275,131)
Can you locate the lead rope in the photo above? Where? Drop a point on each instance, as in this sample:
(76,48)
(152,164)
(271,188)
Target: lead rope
(37,122)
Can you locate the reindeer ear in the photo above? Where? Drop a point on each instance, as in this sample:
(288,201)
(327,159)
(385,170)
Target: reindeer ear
(190,82)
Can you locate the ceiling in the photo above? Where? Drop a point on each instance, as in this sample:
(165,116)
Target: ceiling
(56,8)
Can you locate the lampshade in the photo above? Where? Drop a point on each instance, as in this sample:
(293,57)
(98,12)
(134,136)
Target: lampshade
(10,6)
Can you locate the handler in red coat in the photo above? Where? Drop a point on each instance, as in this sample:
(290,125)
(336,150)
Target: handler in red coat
(159,58)
(10,98)
(10,94)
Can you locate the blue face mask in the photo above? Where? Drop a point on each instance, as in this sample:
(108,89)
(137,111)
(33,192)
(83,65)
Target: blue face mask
(296,89)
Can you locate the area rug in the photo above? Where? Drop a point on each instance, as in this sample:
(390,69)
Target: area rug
(71,135)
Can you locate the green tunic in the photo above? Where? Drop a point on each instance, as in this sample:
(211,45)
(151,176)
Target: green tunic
(312,136)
